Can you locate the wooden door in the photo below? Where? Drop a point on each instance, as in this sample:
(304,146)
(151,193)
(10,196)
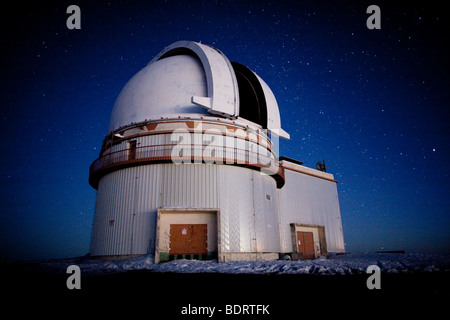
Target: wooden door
(198,239)
(188,239)
(179,241)
(305,244)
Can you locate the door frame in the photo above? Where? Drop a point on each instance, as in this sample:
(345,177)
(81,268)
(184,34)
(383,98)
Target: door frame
(318,231)
(168,216)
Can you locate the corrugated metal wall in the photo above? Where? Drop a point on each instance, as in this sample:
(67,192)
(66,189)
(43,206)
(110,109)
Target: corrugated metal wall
(255,216)
(128,199)
(305,199)
(125,215)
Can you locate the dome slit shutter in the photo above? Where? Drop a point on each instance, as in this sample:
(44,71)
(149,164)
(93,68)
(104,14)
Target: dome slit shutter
(223,94)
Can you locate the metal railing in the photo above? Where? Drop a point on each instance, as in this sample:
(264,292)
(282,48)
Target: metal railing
(184,153)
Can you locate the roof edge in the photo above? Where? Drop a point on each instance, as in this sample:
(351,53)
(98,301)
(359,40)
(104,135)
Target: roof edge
(305,170)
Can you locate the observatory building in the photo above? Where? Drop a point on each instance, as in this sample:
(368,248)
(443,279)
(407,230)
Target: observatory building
(189,169)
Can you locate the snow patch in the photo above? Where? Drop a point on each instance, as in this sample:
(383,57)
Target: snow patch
(337,264)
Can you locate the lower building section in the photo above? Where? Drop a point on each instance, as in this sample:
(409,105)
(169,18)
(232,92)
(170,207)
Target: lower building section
(207,211)
(310,198)
(134,204)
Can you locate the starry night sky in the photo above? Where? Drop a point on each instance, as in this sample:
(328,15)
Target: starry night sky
(374,104)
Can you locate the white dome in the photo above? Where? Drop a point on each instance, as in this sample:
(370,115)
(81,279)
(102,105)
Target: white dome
(162,89)
(190,79)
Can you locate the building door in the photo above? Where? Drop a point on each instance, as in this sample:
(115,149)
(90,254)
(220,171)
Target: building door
(132,150)
(305,244)
(188,239)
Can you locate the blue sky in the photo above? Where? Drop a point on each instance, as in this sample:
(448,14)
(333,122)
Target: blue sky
(372,103)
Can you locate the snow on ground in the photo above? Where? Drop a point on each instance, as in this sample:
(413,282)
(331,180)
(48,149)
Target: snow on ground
(352,263)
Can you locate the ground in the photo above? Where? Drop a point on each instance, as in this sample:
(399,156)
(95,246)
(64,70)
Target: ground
(326,286)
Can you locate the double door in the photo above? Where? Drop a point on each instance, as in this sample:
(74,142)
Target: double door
(188,239)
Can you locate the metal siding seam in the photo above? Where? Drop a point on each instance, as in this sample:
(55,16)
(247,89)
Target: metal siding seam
(164,182)
(208,180)
(258,214)
(181,178)
(109,184)
(120,205)
(151,202)
(106,188)
(179,181)
(121,201)
(146,211)
(215,193)
(137,219)
(189,184)
(157,198)
(144,214)
(162,186)
(244,201)
(96,242)
(140,223)
(143,223)
(108,215)
(222,192)
(202,181)
(270,226)
(251,214)
(176,178)
(233,210)
(130,215)
(198,183)
(127,214)
(167,181)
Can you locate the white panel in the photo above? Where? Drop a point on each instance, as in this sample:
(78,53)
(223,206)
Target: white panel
(113,216)
(249,222)
(260,213)
(267,232)
(146,202)
(130,198)
(161,89)
(189,185)
(236,205)
(223,97)
(305,199)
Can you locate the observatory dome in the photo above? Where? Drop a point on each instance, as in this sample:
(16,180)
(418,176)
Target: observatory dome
(161,89)
(190,169)
(192,80)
